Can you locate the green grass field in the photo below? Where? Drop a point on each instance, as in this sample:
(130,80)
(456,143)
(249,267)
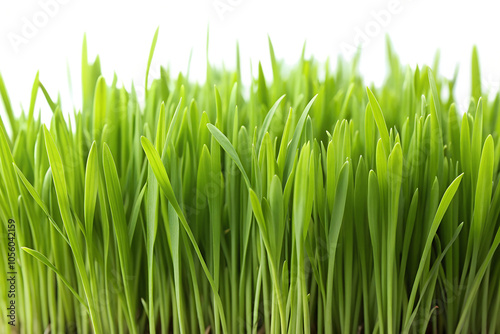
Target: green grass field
(301,201)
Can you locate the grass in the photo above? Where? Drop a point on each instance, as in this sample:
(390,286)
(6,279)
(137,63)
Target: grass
(306,204)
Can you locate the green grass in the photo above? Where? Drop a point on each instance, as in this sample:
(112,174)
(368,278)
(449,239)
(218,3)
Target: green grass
(308,203)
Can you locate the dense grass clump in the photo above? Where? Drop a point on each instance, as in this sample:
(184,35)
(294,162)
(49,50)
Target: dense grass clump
(305,204)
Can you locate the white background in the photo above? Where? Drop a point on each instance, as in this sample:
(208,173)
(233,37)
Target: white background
(121,33)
